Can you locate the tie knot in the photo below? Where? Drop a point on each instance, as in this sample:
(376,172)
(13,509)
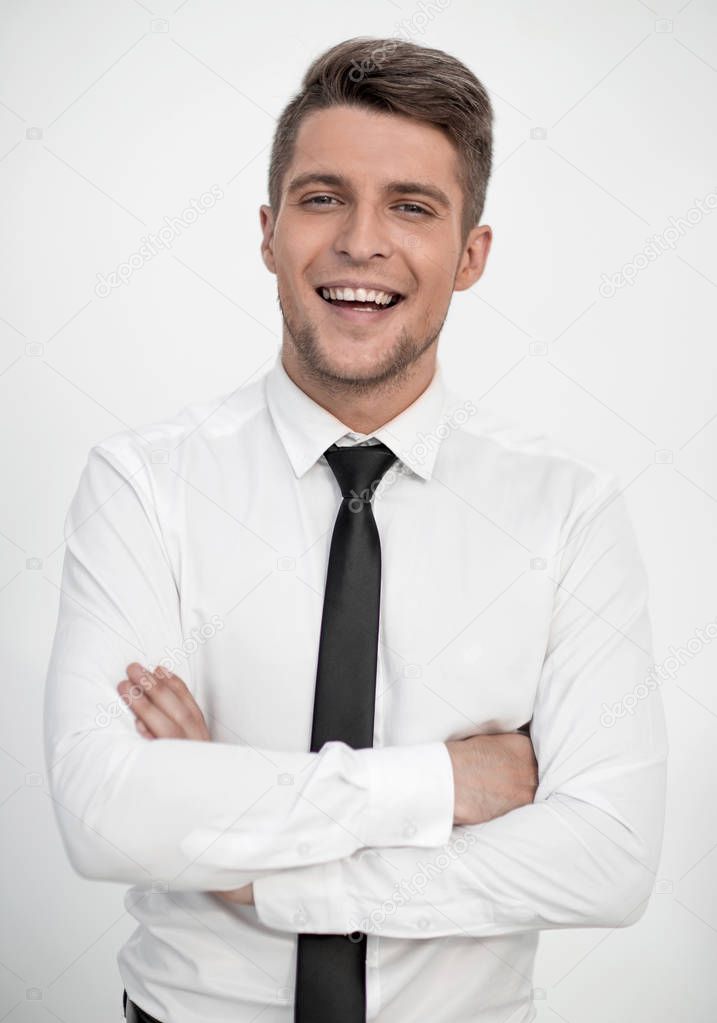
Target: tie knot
(359,468)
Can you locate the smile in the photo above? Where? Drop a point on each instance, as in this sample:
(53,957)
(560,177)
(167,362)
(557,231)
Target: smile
(360,312)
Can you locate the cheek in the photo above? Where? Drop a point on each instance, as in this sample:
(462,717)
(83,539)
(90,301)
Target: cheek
(434,285)
(296,270)
(303,244)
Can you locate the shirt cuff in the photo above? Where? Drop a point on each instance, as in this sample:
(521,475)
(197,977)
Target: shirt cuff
(304,900)
(410,802)
(411,795)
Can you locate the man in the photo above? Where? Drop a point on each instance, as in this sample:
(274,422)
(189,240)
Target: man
(327,812)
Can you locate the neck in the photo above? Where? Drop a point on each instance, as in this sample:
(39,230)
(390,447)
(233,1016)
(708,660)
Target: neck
(363,408)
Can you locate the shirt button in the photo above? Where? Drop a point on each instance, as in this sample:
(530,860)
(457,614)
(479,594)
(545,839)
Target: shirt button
(300,917)
(410,830)
(424,922)
(303,848)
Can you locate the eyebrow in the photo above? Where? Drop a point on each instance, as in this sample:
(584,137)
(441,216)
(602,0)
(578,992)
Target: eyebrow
(389,187)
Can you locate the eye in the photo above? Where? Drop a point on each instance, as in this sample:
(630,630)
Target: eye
(313,198)
(415,206)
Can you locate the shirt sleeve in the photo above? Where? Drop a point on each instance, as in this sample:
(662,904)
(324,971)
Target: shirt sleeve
(188,814)
(585,852)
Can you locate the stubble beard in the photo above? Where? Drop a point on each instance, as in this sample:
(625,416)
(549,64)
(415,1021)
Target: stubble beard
(392,370)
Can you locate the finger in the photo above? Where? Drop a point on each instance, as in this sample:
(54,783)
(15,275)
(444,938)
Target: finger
(139,693)
(171,684)
(189,713)
(142,729)
(170,698)
(167,695)
(241,896)
(142,709)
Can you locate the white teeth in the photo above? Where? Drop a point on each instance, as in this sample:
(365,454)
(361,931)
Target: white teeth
(357,295)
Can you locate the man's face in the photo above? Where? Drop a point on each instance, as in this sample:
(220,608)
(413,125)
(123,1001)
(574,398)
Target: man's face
(354,230)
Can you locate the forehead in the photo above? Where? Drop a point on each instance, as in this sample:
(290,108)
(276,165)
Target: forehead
(367,145)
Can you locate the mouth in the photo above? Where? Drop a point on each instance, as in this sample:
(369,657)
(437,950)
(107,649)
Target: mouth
(356,311)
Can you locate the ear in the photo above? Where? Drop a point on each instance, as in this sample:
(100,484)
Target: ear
(266,221)
(475,254)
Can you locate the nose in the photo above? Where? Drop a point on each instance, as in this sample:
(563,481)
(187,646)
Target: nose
(362,233)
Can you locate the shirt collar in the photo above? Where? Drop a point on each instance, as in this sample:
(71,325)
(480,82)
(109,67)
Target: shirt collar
(307,429)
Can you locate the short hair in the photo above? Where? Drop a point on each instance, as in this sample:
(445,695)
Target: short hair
(399,77)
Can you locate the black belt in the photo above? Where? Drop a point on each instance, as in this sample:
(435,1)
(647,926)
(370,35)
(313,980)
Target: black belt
(133,1013)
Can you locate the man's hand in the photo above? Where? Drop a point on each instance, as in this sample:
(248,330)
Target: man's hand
(162,705)
(493,774)
(164,708)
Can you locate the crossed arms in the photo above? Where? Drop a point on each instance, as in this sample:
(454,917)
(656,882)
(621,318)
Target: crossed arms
(327,839)
(492,774)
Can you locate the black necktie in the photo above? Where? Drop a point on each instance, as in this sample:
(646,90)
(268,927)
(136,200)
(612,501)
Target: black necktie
(331,968)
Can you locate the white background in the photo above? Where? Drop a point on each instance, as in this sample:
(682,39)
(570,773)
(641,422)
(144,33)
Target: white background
(112,117)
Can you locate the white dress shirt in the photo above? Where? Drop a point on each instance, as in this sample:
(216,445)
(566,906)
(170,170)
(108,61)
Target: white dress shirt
(512,589)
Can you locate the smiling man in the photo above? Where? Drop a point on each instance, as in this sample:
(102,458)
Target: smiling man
(369,243)
(372,761)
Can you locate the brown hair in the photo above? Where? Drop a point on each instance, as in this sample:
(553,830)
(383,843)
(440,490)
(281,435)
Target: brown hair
(395,76)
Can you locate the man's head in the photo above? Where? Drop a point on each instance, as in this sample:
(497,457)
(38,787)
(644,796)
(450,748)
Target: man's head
(374,122)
